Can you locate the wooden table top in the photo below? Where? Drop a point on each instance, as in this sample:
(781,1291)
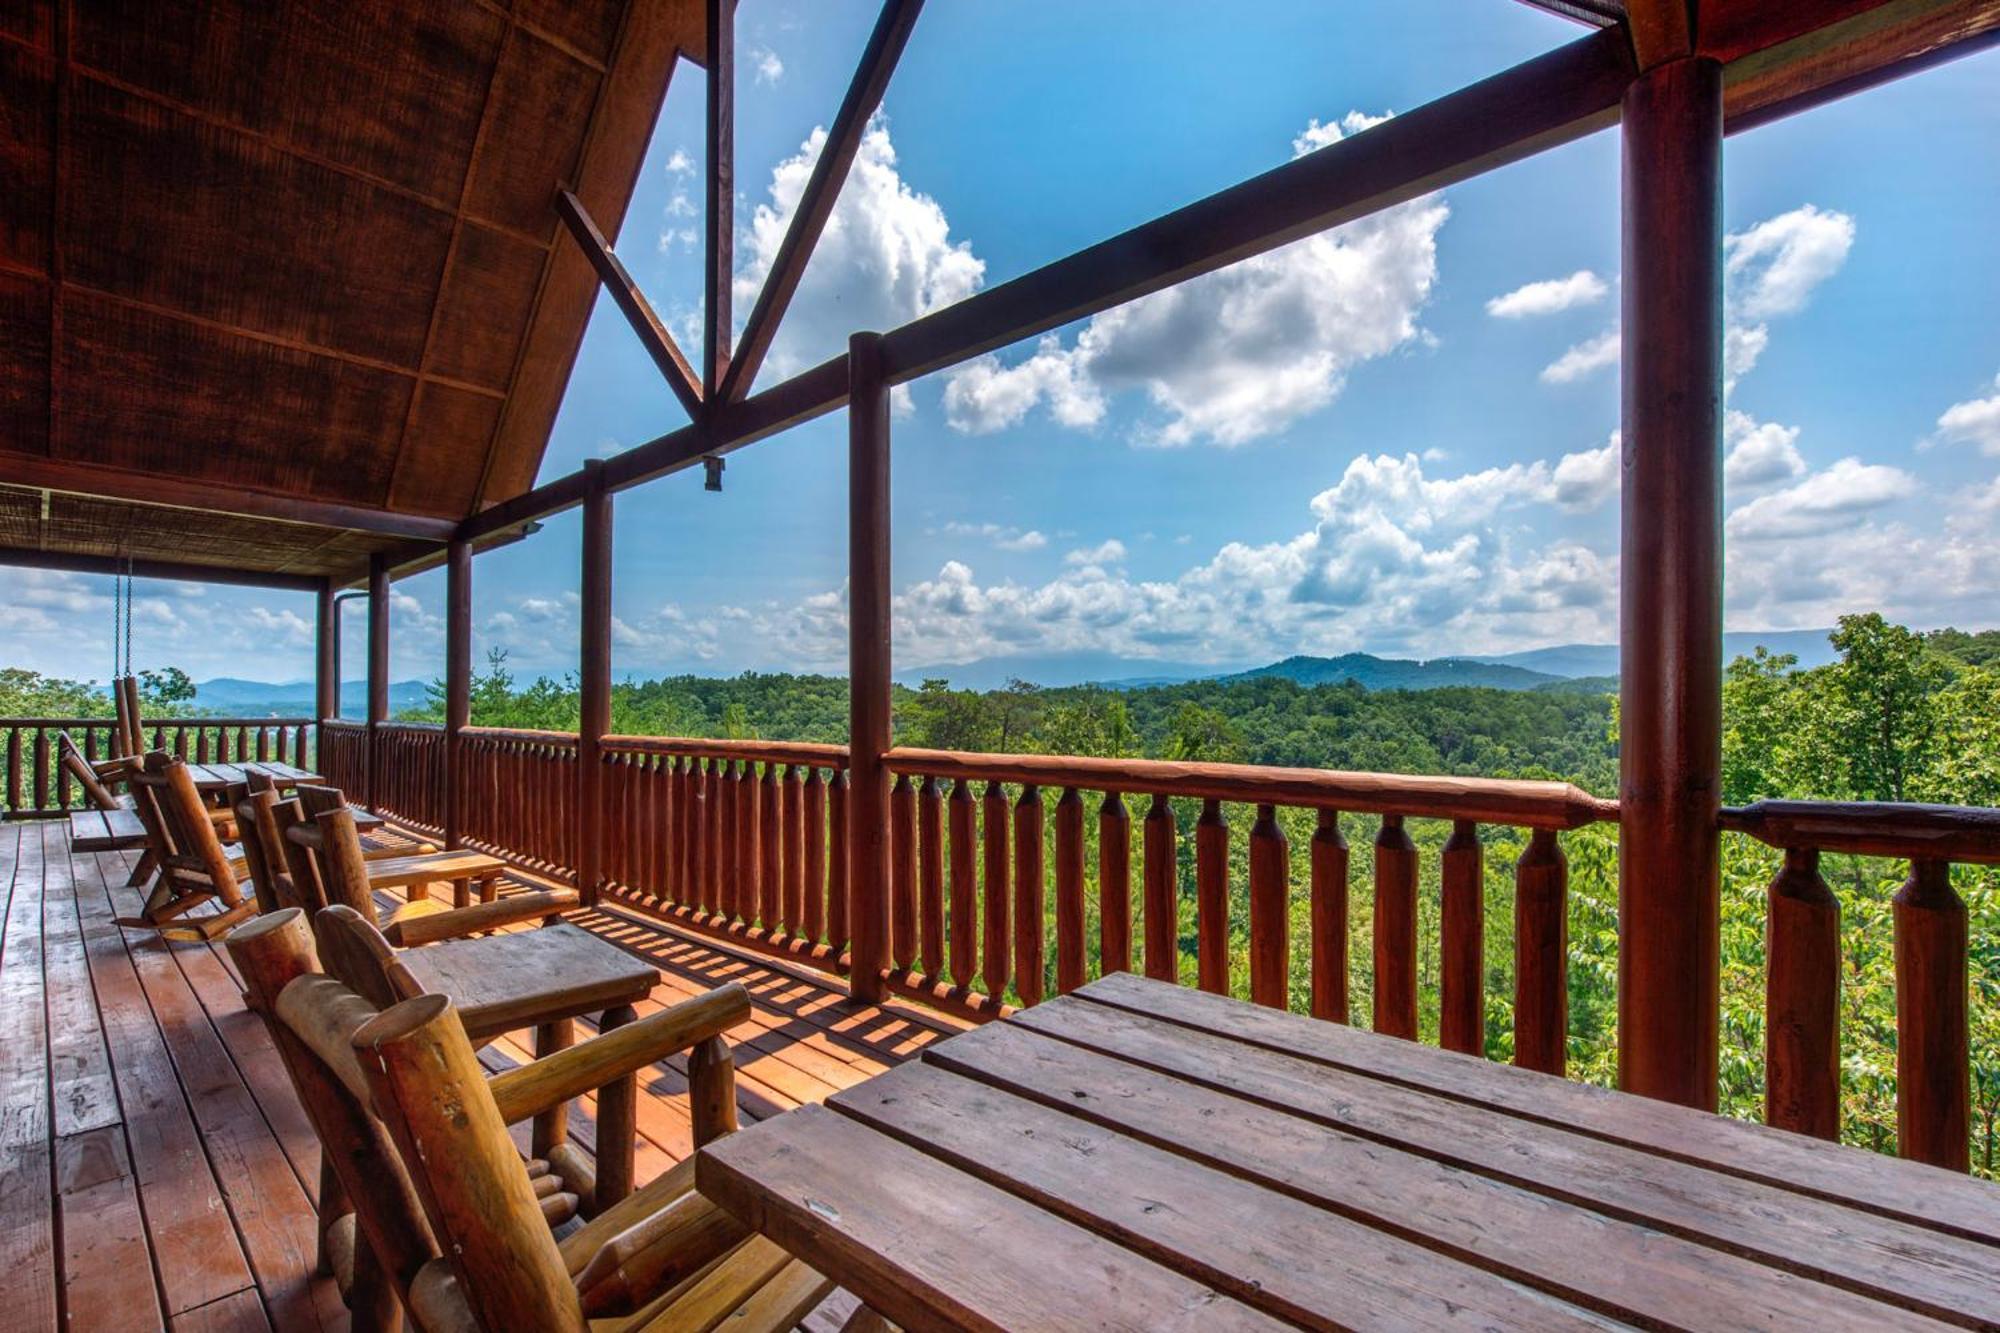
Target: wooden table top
(503,982)
(1144,1156)
(218,777)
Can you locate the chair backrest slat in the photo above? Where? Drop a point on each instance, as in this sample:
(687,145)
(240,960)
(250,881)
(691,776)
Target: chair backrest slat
(178,826)
(79,767)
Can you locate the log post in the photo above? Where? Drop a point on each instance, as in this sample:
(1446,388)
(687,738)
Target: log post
(457,682)
(1802,1000)
(868,659)
(594,668)
(1670,605)
(1933,1082)
(1462,931)
(1329,918)
(326,659)
(378,670)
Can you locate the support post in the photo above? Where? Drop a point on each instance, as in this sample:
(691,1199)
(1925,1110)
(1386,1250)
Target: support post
(1670,608)
(594,663)
(378,668)
(719,248)
(326,655)
(457,682)
(868,660)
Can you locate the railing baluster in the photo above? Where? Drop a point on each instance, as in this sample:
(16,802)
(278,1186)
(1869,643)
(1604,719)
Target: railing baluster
(1802,1000)
(1541,954)
(994,840)
(1270,911)
(1070,961)
(770,841)
(1462,942)
(814,831)
(700,834)
(903,874)
(1211,898)
(1395,930)
(723,781)
(41,767)
(963,821)
(1114,885)
(795,850)
(836,862)
(1329,918)
(1933,1088)
(930,846)
(1028,890)
(14,801)
(1161,891)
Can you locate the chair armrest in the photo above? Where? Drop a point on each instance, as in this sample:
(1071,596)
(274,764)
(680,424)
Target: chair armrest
(462,921)
(554,1079)
(395,853)
(656,1253)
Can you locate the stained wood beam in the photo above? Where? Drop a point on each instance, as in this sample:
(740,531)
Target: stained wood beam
(719,249)
(1593,13)
(1661,30)
(78,478)
(21,557)
(632,302)
(829,173)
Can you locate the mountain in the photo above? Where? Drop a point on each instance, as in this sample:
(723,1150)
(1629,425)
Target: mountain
(1810,646)
(1057,669)
(1392,673)
(229,696)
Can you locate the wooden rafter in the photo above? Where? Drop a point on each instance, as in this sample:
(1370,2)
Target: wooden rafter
(1594,13)
(632,302)
(1773,67)
(836,156)
(1661,30)
(179,570)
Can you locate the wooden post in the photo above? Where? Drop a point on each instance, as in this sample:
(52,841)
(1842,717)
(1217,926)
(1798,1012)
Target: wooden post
(457,683)
(868,659)
(1670,606)
(1933,1082)
(326,657)
(1802,1000)
(378,669)
(594,716)
(719,249)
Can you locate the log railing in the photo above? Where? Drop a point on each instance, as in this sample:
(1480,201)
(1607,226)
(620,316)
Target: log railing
(1804,965)
(518,797)
(742,837)
(410,773)
(34,785)
(343,755)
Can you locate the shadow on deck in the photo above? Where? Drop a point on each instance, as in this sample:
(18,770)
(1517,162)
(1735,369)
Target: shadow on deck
(155,1168)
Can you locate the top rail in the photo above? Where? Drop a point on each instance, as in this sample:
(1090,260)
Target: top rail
(1528,804)
(776,752)
(526,734)
(152,723)
(1866,828)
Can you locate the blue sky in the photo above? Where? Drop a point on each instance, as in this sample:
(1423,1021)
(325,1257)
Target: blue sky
(1395,438)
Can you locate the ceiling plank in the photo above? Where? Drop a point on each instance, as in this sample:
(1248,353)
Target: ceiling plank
(183,571)
(1778,61)
(632,302)
(829,173)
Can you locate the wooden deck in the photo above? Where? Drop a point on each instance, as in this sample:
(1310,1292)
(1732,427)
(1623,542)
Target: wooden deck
(155,1169)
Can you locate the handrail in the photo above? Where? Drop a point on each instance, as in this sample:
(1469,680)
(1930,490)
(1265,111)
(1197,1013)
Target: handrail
(1524,803)
(526,734)
(1957,833)
(425,727)
(760,751)
(151,721)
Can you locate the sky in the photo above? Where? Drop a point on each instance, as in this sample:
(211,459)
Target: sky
(1398,437)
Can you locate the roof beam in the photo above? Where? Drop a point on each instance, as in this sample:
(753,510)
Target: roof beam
(829,173)
(78,478)
(719,248)
(1776,63)
(638,311)
(1591,13)
(180,571)
(1661,30)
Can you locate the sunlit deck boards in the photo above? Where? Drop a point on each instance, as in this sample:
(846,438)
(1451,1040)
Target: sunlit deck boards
(154,1166)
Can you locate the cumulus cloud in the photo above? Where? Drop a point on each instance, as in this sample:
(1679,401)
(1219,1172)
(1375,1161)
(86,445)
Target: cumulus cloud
(1583,359)
(886,257)
(1003,537)
(1587,479)
(1773,267)
(768,68)
(1109,552)
(1975,421)
(1234,355)
(1759,452)
(1824,502)
(1547,298)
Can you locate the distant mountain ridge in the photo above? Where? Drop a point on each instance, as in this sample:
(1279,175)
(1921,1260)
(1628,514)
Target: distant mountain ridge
(1394,673)
(231,696)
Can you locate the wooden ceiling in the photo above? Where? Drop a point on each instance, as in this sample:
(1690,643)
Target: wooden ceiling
(300,261)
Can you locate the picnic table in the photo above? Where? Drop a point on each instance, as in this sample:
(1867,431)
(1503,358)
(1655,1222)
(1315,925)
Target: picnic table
(216,779)
(1145,1156)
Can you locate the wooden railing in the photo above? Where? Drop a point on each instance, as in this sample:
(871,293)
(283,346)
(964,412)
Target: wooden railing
(1804,965)
(410,773)
(33,783)
(518,795)
(343,755)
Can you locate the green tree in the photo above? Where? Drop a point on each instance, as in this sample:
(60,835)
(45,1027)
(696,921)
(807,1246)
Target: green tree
(25,693)
(1203,735)
(166,690)
(1882,713)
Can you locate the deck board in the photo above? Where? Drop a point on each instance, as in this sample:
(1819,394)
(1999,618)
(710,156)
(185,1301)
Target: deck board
(156,1165)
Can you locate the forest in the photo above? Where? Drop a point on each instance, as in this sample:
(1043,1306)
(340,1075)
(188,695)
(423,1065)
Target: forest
(1899,716)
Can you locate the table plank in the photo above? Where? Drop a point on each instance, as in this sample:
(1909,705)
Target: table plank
(1631,1271)
(1945,1276)
(1922,1195)
(396,872)
(1268,1250)
(925,1244)
(500,982)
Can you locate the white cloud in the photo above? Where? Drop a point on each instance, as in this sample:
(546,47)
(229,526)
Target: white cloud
(1760,452)
(1824,502)
(886,256)
(1546,298)
(1975,421)
(1583,359)
(1003,538)
(1109,552)
(1586,480)
(1234,355)
(679,163)
(1772,268)
(769,69)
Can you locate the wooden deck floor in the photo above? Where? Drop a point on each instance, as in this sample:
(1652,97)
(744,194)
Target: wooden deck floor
(155,1168)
